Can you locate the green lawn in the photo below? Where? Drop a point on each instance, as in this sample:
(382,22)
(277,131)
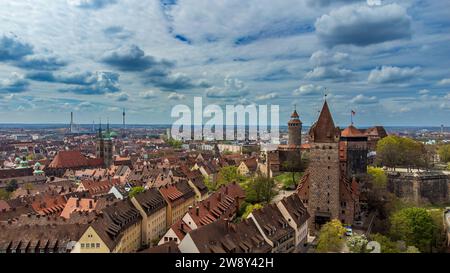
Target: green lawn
(285,179)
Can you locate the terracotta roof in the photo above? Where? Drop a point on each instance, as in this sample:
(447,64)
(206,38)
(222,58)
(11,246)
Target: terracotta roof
(46,204)
(99,187)
(177,193)
(4,206)
(78,204)
(73,159)
(251,163)
(351,131)
(180,229)
(323,130)
(294,114)
(224,203)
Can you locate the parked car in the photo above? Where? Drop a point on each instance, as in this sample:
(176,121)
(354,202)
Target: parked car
(348,231)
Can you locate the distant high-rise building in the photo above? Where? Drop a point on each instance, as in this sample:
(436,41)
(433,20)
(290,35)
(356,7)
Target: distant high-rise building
(123,124)
(72,127)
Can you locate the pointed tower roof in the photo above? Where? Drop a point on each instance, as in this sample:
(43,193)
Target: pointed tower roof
(324,130)
(295,118)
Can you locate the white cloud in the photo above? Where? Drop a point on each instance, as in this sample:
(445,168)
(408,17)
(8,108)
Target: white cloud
(361,99)
(232,88)
(392,74)
(444,81)
(269,96)
(424,92)
(175,96)
(329,73)
(323,58)
(308,89)
(149,94)
(362,25)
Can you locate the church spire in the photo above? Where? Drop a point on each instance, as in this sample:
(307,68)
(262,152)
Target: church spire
(100,128)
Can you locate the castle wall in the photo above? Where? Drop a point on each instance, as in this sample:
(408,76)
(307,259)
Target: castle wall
(420,188)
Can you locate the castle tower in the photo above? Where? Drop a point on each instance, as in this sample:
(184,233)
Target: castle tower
(323,203)
(353,147)
(294,130)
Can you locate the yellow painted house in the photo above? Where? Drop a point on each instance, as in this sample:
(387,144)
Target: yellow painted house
(116,230)
(153,210)
(179,197)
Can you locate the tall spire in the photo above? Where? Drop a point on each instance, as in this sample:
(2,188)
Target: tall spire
(324,129)
(107,126)
(100,128)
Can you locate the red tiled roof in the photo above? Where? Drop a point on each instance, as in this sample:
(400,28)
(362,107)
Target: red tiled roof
(351,131)
(73,159)
(324,130)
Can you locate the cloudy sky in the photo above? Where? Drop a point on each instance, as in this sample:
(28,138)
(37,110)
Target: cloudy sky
(387,60)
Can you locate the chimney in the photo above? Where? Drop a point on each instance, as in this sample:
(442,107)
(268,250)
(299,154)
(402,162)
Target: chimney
(90,204)
(78,202)
(197,210)
(226,190)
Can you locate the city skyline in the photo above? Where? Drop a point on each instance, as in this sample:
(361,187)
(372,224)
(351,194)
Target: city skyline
(96,57)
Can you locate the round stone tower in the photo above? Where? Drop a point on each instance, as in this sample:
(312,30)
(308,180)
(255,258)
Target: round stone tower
(295,130)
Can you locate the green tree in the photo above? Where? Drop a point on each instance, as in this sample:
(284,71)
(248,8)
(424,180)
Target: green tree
(293,164)
(412,249)
(440,232)
(28,186)
(331,237)
(229,174)
(135,190)
(387,246)
(444,153)
(260,190)
(394,151)
(250,208)
(357,243)
(4,194)
(12,185)
(378,177)
(414,226)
